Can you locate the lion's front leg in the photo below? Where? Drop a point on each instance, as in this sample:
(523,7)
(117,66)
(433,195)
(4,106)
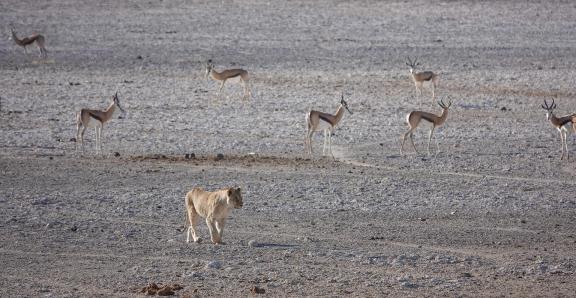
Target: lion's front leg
(220,227)
(213,230)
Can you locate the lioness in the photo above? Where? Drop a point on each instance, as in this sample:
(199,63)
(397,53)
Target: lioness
(214,206)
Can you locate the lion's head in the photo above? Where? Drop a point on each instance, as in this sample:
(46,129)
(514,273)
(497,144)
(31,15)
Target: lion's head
(235,198)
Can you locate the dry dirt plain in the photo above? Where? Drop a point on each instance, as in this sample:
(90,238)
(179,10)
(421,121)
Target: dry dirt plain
(493,214)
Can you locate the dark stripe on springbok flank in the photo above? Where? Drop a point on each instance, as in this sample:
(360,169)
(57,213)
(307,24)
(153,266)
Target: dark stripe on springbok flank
(429,77)
(326,119)
(567,120)
(427,118)
(95,116)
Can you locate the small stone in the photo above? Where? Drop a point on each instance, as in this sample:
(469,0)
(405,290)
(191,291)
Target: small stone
(219,156)
(72,139)
(74,228)
(165,291)
(177,287)
(116,154)
(139,57)
(257,290)
(213,265)
(409,285)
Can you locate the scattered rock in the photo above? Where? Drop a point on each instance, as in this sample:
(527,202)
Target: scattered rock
(166,291)
(213,265)
(253,243)
(219,156)
(150,289)
(74,228)
(405,281)
(74,83)
(257,290)
(504,109)
(72,139)
(407,284)
(116,154)
(162,290)
(466,274)
(190,156)
(139,57)
(193,274)
(41,201)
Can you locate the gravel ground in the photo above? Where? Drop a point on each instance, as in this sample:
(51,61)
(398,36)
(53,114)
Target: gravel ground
(491,214)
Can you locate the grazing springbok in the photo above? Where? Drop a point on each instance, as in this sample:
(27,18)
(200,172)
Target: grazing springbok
(95,118)
(562,124)
(413,120)
(317,121)
(228,74)
(423,76)
(38,38)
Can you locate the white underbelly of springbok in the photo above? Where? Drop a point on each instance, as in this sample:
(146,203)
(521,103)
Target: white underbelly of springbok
(567,127)
(323,125)
(92,123)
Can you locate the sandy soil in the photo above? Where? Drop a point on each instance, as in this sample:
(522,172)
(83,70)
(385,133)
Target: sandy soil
(492,214)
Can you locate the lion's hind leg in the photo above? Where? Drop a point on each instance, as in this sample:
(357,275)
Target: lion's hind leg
(192,219)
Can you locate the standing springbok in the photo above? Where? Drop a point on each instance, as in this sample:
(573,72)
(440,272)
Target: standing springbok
(317,121)
(38,38)
(95,118)
(413,120)
(562,124)
(423,76)
(228,74)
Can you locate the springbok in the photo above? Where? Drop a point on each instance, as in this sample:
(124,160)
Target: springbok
(423,76)
(38,38)
(317,121)
(95,118)
(562,124)
(413,120)
(228,74)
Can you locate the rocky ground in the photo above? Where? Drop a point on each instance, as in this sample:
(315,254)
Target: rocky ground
(491,214)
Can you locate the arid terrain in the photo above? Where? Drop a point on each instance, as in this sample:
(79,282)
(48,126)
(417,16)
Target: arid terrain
(493,213)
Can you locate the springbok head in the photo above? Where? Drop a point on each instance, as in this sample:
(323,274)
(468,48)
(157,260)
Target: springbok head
(412,64)
(549,108)
(209,67)
(12,33)
(345,104)
(116,101)
(445,106)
